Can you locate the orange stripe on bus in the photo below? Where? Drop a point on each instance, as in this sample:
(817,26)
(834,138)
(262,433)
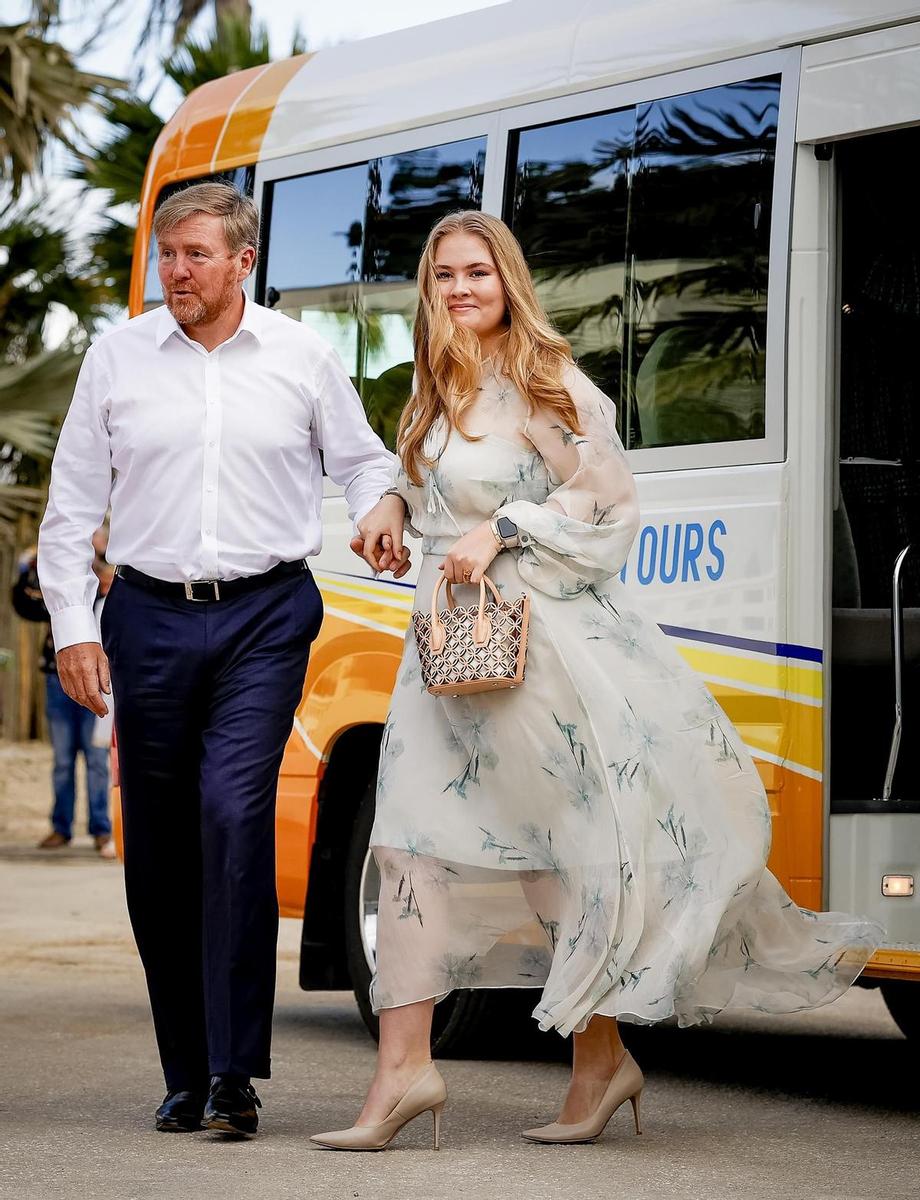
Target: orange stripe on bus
(241,138)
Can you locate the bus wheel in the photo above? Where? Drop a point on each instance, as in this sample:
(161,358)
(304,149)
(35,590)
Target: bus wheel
(903,1000)
(465,1021)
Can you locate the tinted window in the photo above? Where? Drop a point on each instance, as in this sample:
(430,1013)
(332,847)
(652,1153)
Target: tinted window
(242,178)
(317,224)
(648,233)
(343,251)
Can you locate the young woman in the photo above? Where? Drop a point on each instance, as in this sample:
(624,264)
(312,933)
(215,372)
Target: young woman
(599,833)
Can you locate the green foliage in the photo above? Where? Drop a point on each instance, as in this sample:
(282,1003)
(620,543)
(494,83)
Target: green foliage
(234,46)
(40,89)
(118,165)
(41,269)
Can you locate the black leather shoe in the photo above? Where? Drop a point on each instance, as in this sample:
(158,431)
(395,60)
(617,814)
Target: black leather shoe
(231,1108)
(180,1112)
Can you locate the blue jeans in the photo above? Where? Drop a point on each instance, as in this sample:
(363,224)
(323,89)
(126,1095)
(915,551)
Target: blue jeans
(71,727)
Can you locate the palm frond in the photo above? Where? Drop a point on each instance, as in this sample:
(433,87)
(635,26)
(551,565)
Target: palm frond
(40,89)
(16,498)
(118,165)
(40,386)
(43,266)
(235,45)
(31,433)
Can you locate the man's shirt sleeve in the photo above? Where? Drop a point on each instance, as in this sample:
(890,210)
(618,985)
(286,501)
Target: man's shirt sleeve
(81,482)
(353,455)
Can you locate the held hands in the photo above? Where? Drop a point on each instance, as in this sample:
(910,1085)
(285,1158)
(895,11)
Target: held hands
(83,670)
(380,537)
(469,558)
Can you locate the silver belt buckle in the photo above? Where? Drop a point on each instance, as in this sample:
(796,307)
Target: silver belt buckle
(193,583)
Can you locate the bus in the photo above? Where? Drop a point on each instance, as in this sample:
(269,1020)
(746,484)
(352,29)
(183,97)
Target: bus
(717,201)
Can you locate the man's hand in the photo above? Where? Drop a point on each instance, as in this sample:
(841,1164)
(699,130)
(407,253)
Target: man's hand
(469,558)
(380,537)
(83,670)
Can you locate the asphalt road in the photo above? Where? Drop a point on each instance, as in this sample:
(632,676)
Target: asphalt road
(820,1105)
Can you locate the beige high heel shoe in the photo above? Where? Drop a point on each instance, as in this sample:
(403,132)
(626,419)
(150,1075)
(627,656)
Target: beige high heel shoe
(426,1093)
(625,1084)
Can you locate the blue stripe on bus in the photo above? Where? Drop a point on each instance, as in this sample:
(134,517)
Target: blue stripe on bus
(778,649)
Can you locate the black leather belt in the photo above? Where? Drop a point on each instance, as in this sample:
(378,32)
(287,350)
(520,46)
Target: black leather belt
(210,589)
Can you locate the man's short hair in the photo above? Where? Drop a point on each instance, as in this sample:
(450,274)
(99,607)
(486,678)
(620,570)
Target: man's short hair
(239,213)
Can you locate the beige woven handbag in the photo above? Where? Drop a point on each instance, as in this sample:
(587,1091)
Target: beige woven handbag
(472,649)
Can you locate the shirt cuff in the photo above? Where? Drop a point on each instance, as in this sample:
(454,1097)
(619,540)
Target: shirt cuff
(73,625)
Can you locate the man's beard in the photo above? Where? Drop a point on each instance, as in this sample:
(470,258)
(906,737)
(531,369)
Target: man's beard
(194,310)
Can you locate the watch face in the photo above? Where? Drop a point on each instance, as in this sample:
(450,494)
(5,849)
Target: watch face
(506,527)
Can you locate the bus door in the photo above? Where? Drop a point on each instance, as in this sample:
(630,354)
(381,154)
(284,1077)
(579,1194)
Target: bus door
(860,107)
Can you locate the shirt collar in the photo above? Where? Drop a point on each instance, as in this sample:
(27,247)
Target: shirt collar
(251,322)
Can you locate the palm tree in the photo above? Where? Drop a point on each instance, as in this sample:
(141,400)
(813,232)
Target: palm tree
(118,164)
(235,45)
(42,269)
(40,90)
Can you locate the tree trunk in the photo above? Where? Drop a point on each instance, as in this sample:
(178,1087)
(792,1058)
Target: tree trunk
(240,10)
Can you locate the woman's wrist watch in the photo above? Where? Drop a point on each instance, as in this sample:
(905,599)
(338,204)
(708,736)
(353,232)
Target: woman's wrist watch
(505,532)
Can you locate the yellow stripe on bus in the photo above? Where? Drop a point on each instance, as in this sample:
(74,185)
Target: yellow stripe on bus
(775,678)
(365,611)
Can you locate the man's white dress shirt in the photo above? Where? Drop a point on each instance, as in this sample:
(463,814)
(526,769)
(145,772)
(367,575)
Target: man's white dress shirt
(210,460)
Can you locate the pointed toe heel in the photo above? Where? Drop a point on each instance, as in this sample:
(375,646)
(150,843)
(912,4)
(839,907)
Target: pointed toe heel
(626,1083)
(427,1093)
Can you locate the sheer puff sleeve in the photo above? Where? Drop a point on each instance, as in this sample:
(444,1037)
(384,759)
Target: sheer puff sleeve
(582,533)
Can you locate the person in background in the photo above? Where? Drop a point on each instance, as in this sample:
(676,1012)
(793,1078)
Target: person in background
(71,726)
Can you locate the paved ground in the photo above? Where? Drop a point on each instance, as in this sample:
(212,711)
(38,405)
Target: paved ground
(814,1106)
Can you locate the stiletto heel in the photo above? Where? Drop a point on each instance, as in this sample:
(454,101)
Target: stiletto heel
(626,1083)
(635,1103)
(426,1093)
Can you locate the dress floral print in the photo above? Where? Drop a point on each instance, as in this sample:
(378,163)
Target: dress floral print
(600,834)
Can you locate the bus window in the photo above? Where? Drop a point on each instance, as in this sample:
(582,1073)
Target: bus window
(649,229)
(569,213)
(242,178)
(343,247)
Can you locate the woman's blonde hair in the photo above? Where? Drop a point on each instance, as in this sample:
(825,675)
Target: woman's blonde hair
(448,363)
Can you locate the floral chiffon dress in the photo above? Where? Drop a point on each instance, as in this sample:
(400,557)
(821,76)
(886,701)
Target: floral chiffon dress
(599,834)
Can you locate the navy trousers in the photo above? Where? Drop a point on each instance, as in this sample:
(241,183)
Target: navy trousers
(205,695)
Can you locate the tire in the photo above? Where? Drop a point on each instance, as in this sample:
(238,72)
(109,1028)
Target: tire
(903,1000)
(466,1022)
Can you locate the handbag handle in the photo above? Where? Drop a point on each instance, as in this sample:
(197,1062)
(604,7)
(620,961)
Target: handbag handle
(482,626)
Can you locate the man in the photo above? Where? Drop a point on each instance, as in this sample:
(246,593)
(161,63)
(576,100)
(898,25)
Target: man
(71,726)
(203,423)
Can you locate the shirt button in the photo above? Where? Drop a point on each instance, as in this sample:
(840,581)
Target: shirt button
(210,487)
(207,531)
(212,443)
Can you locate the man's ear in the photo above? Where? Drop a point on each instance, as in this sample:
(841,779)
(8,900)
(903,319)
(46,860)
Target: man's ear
(247,262)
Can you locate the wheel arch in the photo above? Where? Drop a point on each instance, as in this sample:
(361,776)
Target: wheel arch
(351,769)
